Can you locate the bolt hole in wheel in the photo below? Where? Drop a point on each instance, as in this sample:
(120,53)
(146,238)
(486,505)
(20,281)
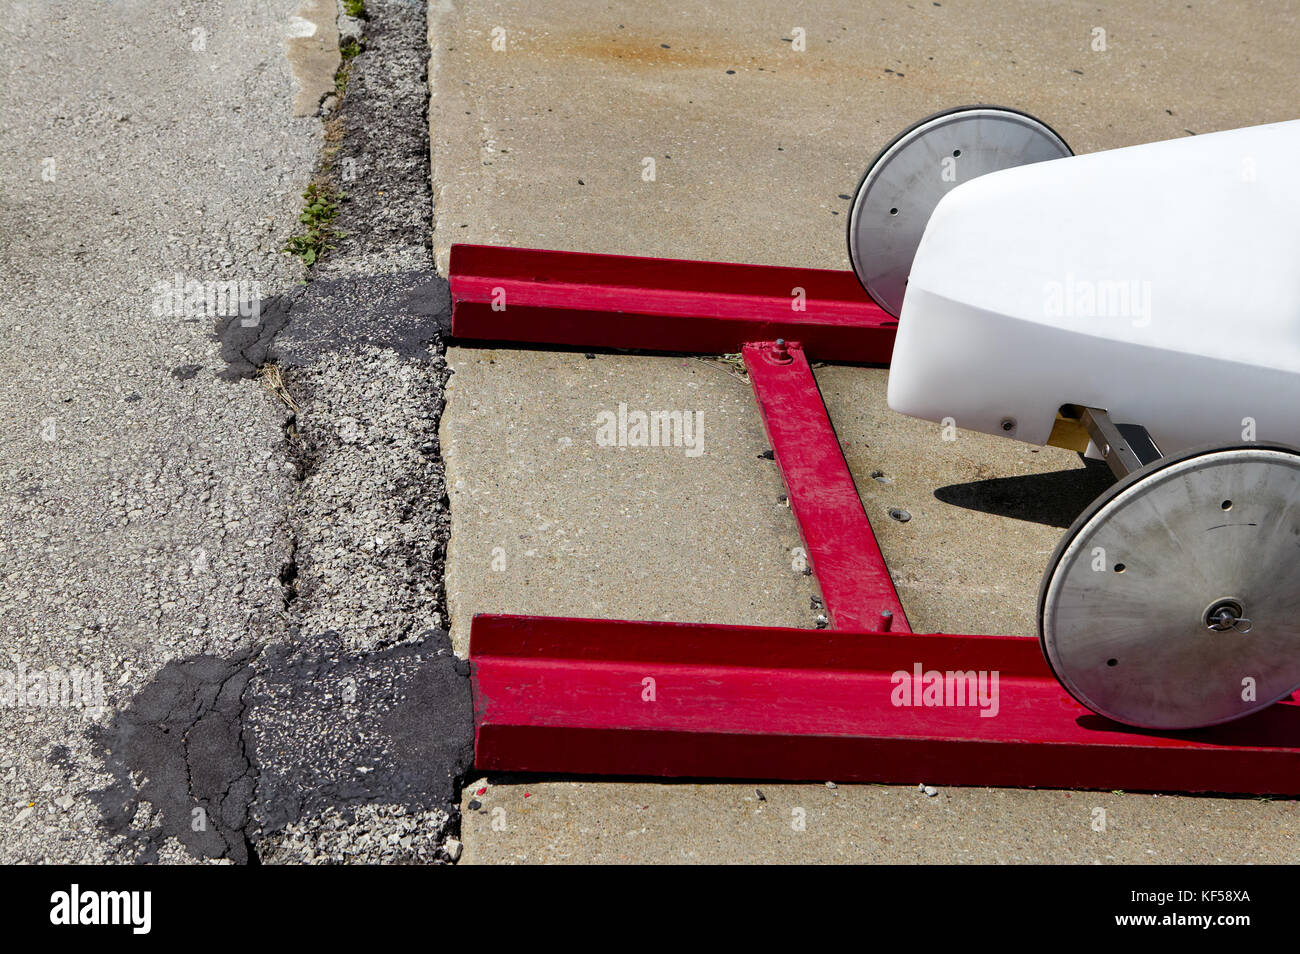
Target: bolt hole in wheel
(917,169)
(1205,584)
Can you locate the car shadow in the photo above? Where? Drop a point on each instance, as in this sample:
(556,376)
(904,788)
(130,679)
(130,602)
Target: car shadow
(1054,499)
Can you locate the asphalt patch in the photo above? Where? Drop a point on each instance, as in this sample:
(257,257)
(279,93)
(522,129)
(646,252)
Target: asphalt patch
(219,753)
(344,730)
(245,340)
(404,312)
(178,749)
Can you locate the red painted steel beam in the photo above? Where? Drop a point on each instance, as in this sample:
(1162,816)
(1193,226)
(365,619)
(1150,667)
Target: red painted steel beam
(842,549)
(571,696)
(658,304)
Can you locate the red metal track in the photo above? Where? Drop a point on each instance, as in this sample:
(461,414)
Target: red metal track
(842,550)
(571,696)
(657,304)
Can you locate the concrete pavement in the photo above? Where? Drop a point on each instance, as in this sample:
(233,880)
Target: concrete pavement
(737,131)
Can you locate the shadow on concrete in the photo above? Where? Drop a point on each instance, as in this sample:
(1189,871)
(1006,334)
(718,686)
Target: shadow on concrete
(1054,499)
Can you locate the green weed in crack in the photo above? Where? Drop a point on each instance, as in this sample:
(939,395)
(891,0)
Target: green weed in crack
(321,208)
(321,200)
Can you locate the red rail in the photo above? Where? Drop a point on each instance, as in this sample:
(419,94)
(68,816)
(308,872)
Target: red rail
(676,699)
(657,304)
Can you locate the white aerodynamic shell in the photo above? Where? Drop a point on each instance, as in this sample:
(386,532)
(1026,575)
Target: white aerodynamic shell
(1160,283)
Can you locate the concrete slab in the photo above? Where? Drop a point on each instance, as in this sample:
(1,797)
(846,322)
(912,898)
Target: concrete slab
(542,115)
(542,120)
(312,48)
(545,519)
(594,822)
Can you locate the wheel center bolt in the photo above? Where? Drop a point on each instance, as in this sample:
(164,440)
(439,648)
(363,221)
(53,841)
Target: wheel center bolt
(1226,615)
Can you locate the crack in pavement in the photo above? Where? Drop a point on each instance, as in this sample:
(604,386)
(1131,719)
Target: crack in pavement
(347,737)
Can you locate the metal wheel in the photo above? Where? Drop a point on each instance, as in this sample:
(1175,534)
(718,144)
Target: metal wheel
(907,179)
(1173,602)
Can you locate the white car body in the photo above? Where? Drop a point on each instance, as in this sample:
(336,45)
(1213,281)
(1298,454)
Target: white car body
(1160,283)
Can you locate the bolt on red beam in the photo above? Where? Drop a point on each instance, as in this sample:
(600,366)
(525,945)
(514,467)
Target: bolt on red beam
(613,697)
(842,549)
(660,304)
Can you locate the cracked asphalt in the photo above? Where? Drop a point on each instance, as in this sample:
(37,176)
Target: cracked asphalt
(221,525)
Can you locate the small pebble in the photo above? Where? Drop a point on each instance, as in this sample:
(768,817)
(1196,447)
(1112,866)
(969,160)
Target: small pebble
(831,785)
(930,791)
(899,514)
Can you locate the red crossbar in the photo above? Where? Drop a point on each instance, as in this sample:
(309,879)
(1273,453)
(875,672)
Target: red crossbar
(657,304)
(676,699)
(842,550)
